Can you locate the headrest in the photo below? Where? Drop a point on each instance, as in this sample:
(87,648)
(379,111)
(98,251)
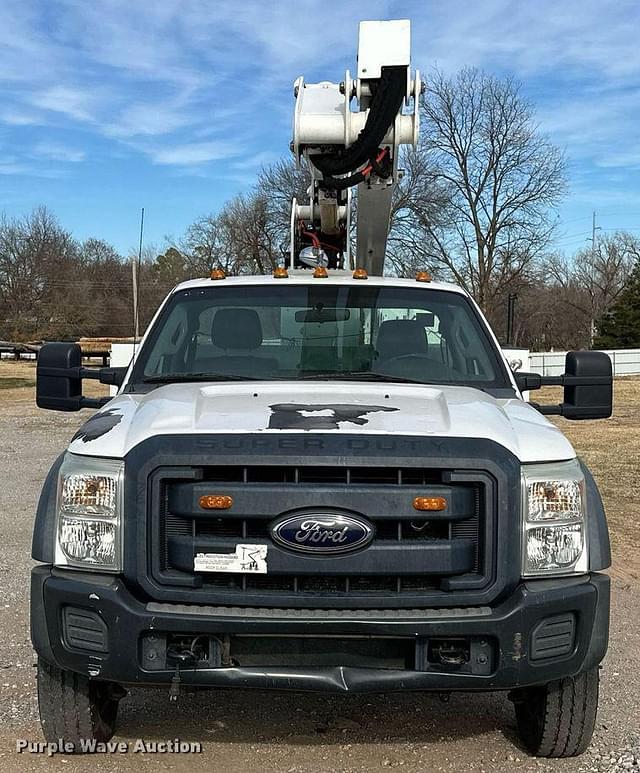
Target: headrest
(236,329)
(397,337)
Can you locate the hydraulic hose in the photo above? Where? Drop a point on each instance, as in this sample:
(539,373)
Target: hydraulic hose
(385,105)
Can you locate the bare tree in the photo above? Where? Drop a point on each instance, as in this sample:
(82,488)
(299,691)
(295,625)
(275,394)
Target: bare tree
(89,293)
(32,251)
(420,205)
(279,183)
(592,280)
(502,177)
(202,246)
(252,239)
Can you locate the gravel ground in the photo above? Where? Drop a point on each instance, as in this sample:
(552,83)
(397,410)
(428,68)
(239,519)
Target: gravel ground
(260,731)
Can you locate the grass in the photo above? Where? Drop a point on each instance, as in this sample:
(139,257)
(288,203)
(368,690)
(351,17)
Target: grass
(8,382)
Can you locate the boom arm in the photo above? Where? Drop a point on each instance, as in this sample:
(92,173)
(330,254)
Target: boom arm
(344,148)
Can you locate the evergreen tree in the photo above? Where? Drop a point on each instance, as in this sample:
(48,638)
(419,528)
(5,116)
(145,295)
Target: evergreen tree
(620,326)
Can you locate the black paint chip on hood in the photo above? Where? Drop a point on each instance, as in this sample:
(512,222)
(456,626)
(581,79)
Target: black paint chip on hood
(97,426)
(320,415)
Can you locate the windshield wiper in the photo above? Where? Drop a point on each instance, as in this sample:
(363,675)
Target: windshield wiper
(168,378)
(363,375)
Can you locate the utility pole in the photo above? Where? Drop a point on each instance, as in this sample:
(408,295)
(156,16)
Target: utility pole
(135,266)
(593,236)
(511,309)
(594,228)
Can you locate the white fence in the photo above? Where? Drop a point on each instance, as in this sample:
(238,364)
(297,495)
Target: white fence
(625,362)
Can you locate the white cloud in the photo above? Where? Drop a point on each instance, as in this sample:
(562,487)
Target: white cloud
(19,118)
(583,36)
(254,161)
(76,103)
(55,152)
(12,168)
(194,153)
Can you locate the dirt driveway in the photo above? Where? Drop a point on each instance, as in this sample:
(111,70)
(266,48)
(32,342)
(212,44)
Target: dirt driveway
(260,731)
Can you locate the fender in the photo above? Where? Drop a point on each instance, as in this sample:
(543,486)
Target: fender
(43,542)
(598,534)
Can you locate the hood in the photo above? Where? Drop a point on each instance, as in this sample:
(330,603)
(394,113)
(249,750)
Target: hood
(349,407)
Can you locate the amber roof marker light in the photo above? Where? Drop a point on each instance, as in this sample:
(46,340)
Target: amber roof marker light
(280,272)
(360,273)
(218,273)
(430,504)
(423,276)
(320,273)
(215,502)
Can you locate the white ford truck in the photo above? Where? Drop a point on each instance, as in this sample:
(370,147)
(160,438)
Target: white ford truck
(322,479)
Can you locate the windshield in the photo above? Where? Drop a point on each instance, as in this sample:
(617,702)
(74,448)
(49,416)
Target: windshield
(320,331)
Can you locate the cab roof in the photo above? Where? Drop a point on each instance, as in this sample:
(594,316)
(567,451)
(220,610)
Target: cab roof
(336,277)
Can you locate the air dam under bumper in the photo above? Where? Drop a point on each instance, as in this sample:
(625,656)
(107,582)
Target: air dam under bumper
(510,645)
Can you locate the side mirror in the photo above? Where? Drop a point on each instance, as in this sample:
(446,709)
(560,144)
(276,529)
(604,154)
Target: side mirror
(59,375)
(588,386)
(587,382)
(58,381)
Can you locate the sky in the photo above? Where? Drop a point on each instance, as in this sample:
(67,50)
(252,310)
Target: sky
(107,106)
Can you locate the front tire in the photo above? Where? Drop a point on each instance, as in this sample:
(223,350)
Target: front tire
(73,707)
(557,720)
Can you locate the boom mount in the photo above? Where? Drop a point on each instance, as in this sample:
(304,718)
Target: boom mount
(348,135)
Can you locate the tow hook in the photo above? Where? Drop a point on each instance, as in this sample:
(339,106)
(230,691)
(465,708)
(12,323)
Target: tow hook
(181,658)
(450,653)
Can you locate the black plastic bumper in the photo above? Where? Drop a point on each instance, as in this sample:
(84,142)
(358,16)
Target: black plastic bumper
(510,627)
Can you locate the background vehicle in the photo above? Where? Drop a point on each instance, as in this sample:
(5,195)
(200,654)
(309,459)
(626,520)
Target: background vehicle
(323,479)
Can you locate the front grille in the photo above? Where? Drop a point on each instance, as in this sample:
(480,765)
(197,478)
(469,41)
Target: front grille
(254,528)
(382,495)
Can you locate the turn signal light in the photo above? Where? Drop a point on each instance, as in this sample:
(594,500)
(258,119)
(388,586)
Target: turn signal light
(360,273)
(320,272)
(423,276)
(218,273)
(430,503)
(216,502)
(280,272)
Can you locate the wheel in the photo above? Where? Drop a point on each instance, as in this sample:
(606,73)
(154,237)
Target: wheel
(73,707)
(557,720)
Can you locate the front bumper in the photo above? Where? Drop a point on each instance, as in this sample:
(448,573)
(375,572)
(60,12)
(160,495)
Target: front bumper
(509,629)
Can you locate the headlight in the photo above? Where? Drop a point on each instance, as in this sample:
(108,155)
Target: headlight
(554,529)
(89,513)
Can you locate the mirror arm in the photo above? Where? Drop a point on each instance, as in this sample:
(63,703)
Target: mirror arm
(527,382)
(548,410)
(566,380)
(112,376)
(94,402)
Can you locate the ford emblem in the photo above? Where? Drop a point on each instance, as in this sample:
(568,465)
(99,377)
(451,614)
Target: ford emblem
(322,532)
